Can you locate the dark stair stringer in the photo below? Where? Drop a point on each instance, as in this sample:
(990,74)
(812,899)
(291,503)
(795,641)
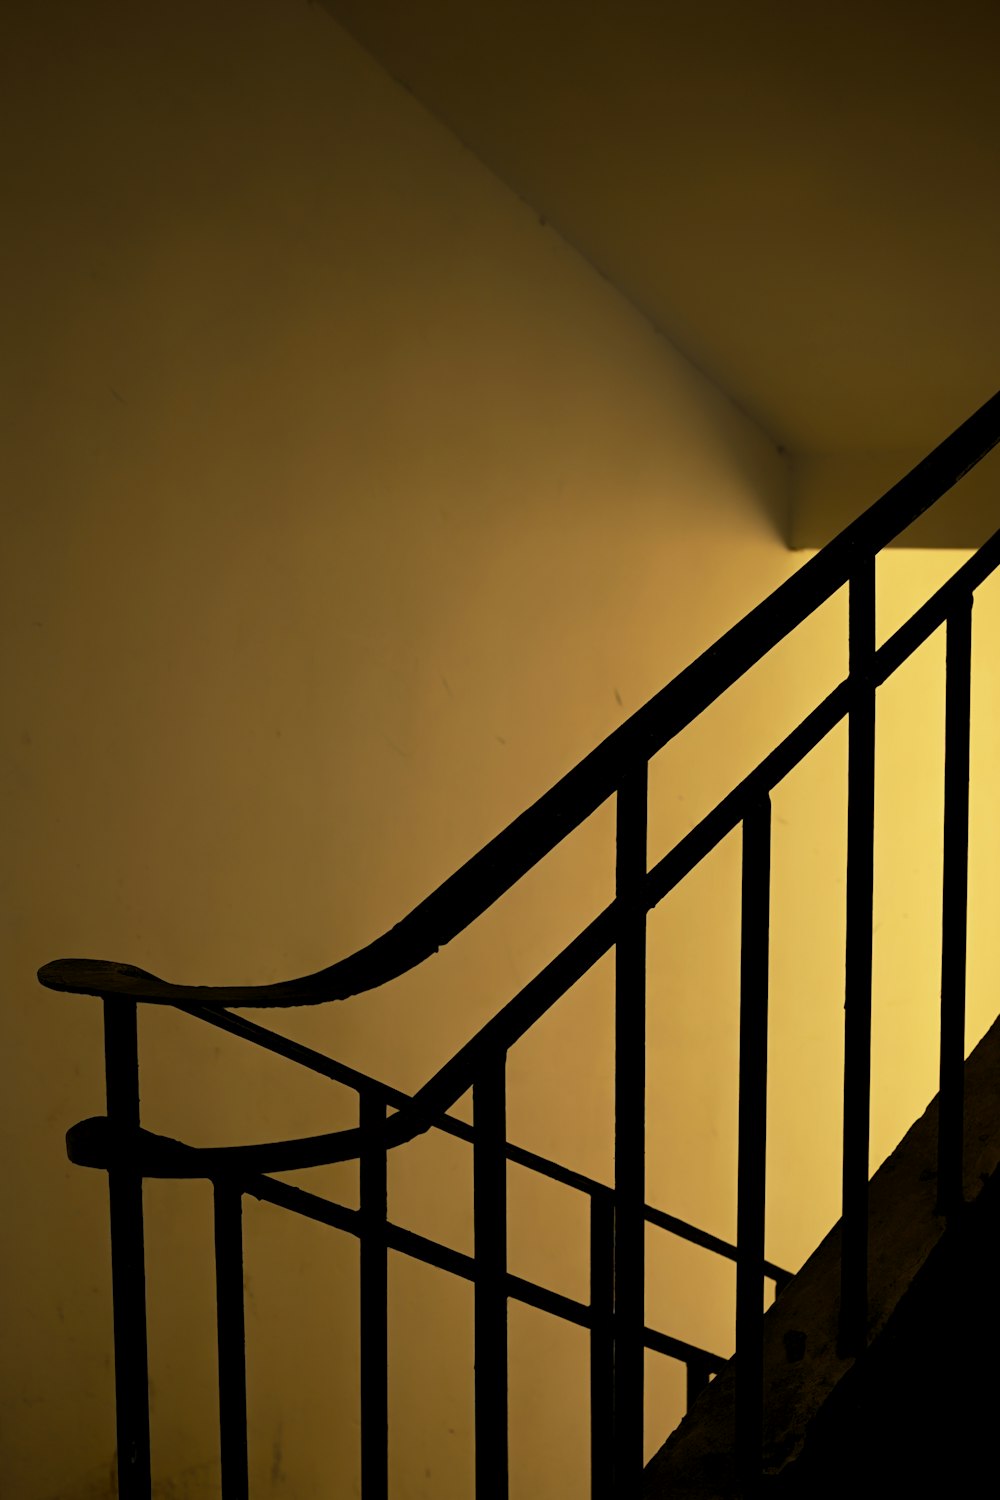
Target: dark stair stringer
(917,1413)
(918,1416)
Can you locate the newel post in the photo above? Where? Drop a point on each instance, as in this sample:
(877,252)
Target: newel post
(128,1269)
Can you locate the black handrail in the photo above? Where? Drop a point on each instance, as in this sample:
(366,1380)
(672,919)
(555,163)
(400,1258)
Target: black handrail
(503,1030)
(91,1142)
(484,878)
(121,1146)
(615,1314)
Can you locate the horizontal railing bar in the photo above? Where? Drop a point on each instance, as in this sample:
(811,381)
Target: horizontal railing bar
(540,1297)
(455,1078)
(727,815)
(318,1062)
(933,613)
(663,1343)
(321,1210)
(419,1247)
(434,1098)
(477,884)
(296,1052)
(536,832)
(457,1263)
(307,1205)
(86,1149)
(706,1241)
(782,760)
(487,876)
(324,1211)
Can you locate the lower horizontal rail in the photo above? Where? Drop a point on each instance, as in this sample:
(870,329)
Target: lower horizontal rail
(444,1258)
(538,996)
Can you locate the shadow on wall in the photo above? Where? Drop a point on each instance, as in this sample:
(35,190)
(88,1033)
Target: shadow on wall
(828,490)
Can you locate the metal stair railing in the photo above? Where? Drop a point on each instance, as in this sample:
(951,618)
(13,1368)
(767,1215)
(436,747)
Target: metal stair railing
(615,1316)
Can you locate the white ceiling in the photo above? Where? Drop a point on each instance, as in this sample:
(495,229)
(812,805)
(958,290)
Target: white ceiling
(803,196)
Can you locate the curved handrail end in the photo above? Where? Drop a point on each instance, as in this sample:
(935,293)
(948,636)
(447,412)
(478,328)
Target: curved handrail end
(87,1142)
(94,1142)
(95,976)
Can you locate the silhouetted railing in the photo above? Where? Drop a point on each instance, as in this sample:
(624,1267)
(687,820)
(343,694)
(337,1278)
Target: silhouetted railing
(615,1314)
(139,1153)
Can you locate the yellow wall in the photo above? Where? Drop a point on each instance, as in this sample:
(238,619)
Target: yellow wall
(348,509)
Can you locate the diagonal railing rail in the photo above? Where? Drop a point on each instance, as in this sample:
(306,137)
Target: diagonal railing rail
(615,1315)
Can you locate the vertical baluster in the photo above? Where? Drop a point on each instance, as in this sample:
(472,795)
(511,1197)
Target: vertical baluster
(858,962)
(752,1168)
(602,1345)
(698,1376)
(954,917)
(128,1266)
(489,1108)
(630,1131)
(230,1317)
(374,1301)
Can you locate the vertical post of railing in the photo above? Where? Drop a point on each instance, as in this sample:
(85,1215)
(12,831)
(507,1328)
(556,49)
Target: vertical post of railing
(489,1154)
(602,1342)
(954,912)
(374,1299)
(230,1318)
(752,1160)
(630,1130)
(858,961)
(128,1266)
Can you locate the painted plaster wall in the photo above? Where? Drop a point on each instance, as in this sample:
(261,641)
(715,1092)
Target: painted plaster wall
(829,489)
(347,508)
